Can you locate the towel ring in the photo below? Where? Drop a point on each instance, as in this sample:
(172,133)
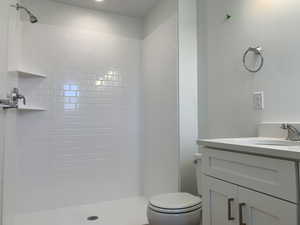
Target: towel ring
(256,51)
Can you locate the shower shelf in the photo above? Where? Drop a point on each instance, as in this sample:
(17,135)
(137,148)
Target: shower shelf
(30,74)
(30,108)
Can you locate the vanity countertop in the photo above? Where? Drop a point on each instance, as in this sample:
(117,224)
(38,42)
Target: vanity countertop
(272,147)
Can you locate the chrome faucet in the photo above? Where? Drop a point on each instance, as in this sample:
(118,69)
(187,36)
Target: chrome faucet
(16,96)
(12,100)
(293,133)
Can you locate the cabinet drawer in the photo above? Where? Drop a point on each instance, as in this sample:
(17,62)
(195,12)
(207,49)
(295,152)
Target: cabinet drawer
(271,176)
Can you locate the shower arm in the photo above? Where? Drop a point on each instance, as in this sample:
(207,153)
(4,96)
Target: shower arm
(33,18)
(18,7)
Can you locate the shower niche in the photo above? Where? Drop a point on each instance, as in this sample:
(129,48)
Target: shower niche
(29,83)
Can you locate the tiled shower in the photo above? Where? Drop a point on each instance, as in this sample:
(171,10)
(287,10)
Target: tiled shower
(87,144)
(101,119)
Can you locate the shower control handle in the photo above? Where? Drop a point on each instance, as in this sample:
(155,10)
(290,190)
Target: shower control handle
(16,96)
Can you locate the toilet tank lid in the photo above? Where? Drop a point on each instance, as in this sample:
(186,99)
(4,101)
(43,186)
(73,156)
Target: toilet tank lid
(175,201)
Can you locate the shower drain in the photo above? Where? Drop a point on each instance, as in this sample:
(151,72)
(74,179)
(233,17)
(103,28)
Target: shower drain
(92,218)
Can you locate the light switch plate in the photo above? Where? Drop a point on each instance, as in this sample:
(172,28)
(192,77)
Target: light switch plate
(258,100)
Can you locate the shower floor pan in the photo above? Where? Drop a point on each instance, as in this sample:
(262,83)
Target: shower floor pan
(130,211)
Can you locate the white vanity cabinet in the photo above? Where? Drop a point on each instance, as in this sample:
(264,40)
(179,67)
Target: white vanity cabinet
(242,189)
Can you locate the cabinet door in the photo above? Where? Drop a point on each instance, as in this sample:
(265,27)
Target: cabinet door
(260,209)
(219,202)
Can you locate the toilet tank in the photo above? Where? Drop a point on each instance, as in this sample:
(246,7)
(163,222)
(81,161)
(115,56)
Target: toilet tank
(198,167)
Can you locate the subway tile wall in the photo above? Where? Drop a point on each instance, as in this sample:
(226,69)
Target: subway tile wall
(85,148)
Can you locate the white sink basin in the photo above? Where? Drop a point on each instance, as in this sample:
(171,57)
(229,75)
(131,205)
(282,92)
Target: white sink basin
(272,142)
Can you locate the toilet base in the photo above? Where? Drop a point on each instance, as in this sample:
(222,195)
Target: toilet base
(189,218)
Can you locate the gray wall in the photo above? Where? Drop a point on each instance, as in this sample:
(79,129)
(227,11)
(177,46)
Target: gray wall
(188,86)
(8,62)
(3,73)
(160,100)
(274,26)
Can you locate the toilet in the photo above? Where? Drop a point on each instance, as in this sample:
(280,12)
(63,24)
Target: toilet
(177,208)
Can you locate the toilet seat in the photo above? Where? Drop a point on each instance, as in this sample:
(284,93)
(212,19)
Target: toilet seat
(175,203)
(175,211)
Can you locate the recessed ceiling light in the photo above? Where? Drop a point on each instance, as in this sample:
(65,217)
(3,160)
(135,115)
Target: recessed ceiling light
(99,0)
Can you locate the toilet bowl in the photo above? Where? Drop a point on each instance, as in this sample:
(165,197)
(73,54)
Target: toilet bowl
(177,208)
(174,209)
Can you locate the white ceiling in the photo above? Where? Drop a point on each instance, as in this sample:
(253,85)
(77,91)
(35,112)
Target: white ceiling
(137,8)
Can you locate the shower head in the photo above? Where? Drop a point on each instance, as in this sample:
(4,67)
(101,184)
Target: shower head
(32,18)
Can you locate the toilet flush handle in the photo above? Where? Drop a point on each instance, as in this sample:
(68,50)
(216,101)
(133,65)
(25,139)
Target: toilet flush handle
(198,157)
